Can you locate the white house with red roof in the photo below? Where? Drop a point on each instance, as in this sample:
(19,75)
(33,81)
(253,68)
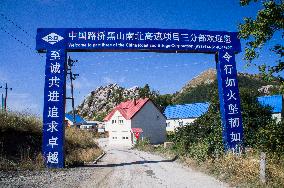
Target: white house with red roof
(133,116)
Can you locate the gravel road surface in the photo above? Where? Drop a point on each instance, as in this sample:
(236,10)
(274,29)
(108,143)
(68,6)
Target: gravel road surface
(120,167)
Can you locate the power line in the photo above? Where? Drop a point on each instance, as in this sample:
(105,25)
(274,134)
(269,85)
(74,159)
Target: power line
(109,55)
(19,27)
(24,44)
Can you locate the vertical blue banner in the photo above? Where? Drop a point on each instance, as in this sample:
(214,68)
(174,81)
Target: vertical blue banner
(54,108)
(230,106)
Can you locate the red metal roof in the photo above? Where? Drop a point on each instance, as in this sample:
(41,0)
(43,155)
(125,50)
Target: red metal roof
(136,130)
(128,109)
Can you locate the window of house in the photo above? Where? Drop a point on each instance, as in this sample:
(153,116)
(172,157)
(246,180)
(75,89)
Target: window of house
(180,123)
(168,124)
(126,137)
(120,119)
(123,138)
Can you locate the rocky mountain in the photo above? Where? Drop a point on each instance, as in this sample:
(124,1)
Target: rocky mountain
(100,101)
(200,89)
(206,77)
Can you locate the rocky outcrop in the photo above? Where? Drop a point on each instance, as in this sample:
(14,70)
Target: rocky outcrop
(105,98)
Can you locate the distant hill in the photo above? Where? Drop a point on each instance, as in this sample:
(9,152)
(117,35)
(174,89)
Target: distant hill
(201,88)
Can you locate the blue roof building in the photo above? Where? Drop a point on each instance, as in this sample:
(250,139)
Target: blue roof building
(183,111)
(184,114)
(70,119)
(274,101)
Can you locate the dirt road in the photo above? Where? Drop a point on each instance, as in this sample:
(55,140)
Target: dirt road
(120,167)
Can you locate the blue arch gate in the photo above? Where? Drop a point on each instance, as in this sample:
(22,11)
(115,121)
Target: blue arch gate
(56,42)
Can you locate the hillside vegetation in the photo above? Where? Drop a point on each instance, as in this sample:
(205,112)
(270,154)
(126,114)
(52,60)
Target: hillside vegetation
(21,138)
(202,87)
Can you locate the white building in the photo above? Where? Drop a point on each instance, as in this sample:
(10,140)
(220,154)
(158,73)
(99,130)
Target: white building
(184,114)
(141,113)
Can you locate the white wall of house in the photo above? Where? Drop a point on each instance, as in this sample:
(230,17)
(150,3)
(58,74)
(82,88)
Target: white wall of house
(119,130)
(172,124)
(152,122)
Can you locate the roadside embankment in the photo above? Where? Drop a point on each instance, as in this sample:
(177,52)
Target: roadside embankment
(21,139)
(239,171)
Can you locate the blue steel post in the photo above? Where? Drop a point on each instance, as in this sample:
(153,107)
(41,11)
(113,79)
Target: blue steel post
(230,107)
(54,108)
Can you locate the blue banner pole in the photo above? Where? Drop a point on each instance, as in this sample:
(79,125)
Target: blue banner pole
(230,106)
(54,108)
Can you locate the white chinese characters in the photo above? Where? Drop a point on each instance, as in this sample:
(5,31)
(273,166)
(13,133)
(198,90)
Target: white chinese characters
(53,123)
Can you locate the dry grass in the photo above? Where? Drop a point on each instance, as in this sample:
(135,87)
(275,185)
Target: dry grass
(243,171)
(21,138)
(80,146)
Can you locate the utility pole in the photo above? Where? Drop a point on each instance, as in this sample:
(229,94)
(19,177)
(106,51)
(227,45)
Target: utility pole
(6,96)
(72,76)
(2,100)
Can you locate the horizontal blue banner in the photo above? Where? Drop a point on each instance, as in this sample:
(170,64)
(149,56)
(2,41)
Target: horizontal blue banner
(137,39)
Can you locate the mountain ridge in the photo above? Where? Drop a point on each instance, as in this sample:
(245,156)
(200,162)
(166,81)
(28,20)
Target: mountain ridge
(199,89)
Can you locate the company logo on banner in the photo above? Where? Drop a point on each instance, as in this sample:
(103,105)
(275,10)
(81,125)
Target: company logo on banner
(230,102)
(52,38)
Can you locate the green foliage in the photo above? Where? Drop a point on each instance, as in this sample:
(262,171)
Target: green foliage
(160,100)
(271,138)
(118,96)
(269,20)
(99,116)
(204,137)
(254,117)
(201,93)
(144,145)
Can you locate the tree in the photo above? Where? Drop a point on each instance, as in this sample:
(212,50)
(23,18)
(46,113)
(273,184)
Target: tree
(145,92)
(259,31)
(203,137)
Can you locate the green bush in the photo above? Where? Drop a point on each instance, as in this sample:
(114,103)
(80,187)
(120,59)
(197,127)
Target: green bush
(199,151)
(207,130)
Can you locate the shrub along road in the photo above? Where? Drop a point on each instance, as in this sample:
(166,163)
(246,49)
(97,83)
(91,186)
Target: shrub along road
(118,168)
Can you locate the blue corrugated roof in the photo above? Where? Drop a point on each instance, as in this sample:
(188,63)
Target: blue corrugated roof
(275,101)
(78,118)
(186,110)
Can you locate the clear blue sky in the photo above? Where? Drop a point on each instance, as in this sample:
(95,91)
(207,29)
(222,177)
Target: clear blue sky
(23,68)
